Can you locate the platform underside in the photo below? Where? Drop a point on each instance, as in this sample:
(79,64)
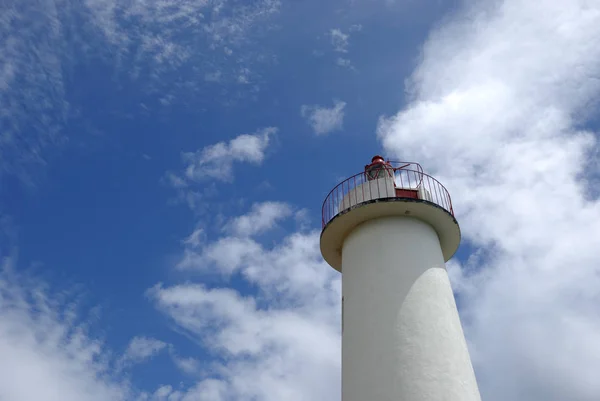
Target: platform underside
(334,233)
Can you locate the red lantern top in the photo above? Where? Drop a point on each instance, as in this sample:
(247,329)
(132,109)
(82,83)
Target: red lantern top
(378,168)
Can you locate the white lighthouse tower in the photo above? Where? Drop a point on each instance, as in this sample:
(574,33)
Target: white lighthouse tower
(389,230)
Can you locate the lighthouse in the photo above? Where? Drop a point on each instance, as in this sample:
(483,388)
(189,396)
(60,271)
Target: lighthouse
(389,230)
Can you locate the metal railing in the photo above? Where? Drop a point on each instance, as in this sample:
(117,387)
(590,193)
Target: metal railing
(395,183)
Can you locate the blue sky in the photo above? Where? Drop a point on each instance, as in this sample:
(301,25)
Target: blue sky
(163,166)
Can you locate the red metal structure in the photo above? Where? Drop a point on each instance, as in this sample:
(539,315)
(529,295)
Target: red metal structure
(385,179)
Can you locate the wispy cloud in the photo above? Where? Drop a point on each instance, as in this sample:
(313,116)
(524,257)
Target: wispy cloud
(47,351)
(271,354)
(262,217)
(497,109)
(171,36)
(209,390)
(339,40)
(293,259)
(167,47)
(189,366)
(355,28)
(343,62)
(237,246)
(288,350)
(213,76)
(33,107)
(324,120)
(141,349)
(216,161)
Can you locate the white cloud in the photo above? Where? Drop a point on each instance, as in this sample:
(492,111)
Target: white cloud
(189,366)
(213,76)
(207,390)
(196,198)
(33,108)
(216,161)
(271,354)
(324,120)
(175,181)
(496,110)
(262,218)
(141,349)
(47,351)
(339,40)
(230,27)
(244,76)
(160,44)
(229,253)
(281,343)
(235,249)
(194,240)
(292,264)
(224,25)
(343,62)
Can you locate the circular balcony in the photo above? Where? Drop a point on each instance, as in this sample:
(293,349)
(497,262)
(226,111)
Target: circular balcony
(387,189)
(408,181)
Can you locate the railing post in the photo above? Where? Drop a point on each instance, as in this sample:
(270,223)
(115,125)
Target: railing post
(437,196)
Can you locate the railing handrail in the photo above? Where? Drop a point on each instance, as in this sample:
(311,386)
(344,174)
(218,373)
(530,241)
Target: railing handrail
(442,196)
(402,164)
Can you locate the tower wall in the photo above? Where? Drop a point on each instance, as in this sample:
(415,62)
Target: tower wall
(402,337)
